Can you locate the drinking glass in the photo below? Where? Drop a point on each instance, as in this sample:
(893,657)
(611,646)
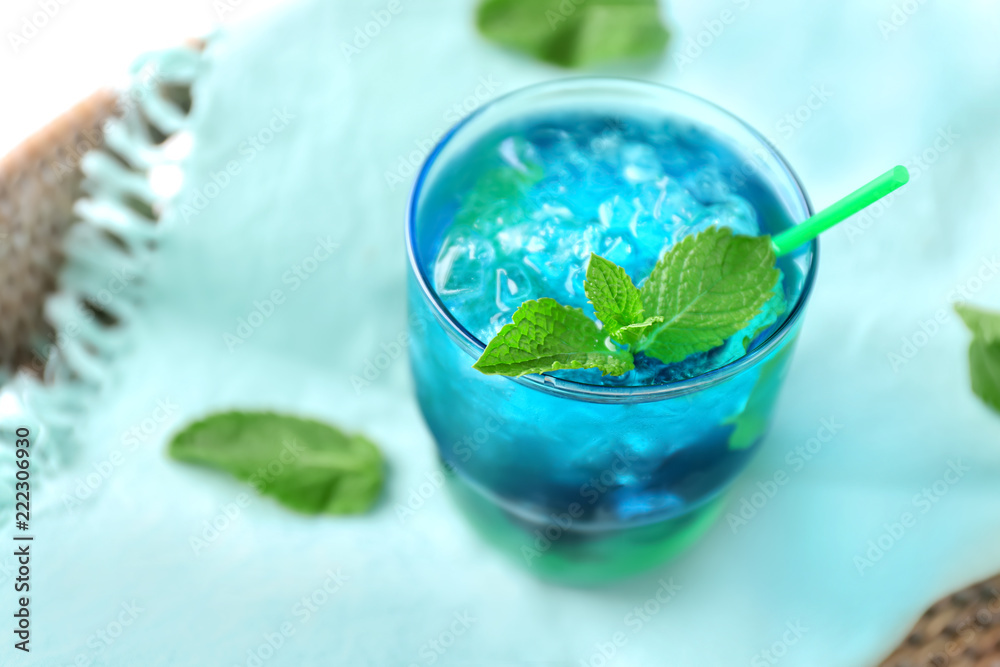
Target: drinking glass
(585,483)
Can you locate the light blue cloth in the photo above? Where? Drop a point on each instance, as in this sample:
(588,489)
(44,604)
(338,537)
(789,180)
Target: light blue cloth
(404,588)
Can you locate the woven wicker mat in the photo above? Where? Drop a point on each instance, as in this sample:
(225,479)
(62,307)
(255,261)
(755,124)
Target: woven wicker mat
(961,630)
(40,180)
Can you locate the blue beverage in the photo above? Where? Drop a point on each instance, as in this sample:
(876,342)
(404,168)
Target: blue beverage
(586,477)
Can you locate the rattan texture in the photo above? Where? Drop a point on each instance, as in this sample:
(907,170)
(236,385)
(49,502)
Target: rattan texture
(39,184)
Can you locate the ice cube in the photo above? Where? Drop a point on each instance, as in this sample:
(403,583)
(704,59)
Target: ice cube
(640,164)
(461,263)
(554,144)
(618,246)
(667,201)
(514,286)
(519,154)
(602,181)
(707,185)
(574,285)
(734,213)
(515,239)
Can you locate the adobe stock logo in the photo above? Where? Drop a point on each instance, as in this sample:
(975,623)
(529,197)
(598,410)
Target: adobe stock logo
(911,344)
(606,651)
(433,649)
(374,367)
(264,309)
(793,121)
(254,144)
(901,14)
(921,503)
(408,163)
(772,655)
(698,43)
(796,459)
(223,7)
(34,23)
(363,35)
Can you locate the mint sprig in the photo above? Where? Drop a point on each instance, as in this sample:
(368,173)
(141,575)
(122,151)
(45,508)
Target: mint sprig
(547,336)
(984,352)
(704,290)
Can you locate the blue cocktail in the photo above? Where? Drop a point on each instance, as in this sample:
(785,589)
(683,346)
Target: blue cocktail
(586,477)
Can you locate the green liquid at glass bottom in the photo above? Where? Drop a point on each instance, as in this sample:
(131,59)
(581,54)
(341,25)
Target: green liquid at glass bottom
(556,553)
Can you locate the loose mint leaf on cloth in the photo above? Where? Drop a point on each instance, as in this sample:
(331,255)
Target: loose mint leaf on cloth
(616,300)
(706,288)
(575,33)
(306,465)
(547,336)
(984,324)
(984,353)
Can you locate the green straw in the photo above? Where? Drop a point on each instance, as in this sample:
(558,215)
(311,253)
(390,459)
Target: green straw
(862,198)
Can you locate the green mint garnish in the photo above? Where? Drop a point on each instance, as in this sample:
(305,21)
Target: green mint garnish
(306,465)
(984,353)
(617,301)
(547,336)
(704,290)
(575,33)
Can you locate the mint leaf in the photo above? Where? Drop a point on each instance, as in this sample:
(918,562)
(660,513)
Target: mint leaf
(547,336)
(575,33)
(612,31)
(984,324)
(767,316)
(306,465)
(706,288)
(984,367)
(633,333)
(984,353)
(616,300)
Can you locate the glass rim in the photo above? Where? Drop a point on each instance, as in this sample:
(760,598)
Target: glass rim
(605,393)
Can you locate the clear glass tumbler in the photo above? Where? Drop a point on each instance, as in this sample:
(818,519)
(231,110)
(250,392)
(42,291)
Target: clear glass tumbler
(585,483)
